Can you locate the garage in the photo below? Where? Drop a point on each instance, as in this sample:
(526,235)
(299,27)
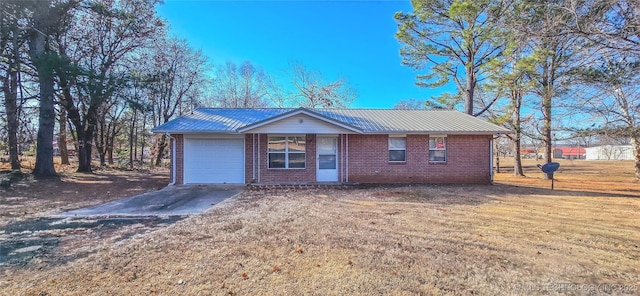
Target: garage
(214,160)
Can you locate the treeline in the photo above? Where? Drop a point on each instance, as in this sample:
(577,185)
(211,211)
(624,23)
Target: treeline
(101,73)
(548,70)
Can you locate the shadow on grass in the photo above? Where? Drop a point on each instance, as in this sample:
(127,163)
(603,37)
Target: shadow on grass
(457,194)
(89,183)
(507,189)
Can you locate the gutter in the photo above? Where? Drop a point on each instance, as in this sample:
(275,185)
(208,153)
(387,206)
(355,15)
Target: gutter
(173,160)
(491,161)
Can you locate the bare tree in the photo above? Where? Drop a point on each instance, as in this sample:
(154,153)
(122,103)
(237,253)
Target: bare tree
(12,40)
(177,77)
(109,125)
(312,91)
(612,24)
(246,86)
(616,82)
(411,104)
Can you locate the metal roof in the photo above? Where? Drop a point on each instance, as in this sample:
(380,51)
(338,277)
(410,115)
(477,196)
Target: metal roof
(377,121)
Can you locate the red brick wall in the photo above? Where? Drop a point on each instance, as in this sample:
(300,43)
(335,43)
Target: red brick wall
(250,175)
(179,139)
(467,160)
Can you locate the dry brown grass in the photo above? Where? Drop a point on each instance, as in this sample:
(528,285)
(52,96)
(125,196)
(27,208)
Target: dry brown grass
(430,240)
(610,177)
(30,198)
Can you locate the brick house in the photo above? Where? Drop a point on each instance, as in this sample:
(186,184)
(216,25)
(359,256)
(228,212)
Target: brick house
(293,146)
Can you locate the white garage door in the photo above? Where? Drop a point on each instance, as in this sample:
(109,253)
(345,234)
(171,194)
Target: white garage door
(208,161)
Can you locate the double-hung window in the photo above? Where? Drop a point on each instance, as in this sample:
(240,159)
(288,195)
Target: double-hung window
(438,148)
(287,152)
(397,149)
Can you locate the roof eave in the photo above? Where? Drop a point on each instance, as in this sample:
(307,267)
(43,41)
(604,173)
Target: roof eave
(295,112)
(434,132)
(194,132)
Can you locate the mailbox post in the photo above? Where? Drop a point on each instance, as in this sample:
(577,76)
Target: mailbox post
(550,168)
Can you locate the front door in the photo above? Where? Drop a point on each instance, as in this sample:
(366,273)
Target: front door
(327,166)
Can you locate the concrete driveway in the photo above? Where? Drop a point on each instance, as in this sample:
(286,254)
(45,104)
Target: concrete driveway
(173,200)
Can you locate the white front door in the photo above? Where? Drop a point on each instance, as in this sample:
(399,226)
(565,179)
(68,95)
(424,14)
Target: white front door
(327,164)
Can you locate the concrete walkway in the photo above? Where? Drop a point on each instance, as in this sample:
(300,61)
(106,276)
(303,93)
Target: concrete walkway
(173,200)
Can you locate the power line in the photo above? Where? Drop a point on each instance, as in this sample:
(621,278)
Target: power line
(29,26)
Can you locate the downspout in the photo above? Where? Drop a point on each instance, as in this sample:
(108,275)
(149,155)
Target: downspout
(173,160)
(259,152)
(341,159)
(347,155)
(253,157)
(491,161)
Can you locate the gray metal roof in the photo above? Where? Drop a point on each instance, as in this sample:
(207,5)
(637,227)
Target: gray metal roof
(391,121)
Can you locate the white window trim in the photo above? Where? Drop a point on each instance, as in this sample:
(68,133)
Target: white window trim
(389,148)
(287,152)
(446,145)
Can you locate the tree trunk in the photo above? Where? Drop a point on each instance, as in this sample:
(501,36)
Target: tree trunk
(547,95)
(85,138)
(517,124)
(497,158)
(468,98)
(100,141)
(162,144)
(103,159)
(131,137)
(10,91)
(547,138)
(12,128)
(100,146)
(84,128)
(111,130)
(470,87)
(73,115)
(144,139)
(635,144)
(84,151)
(44,153)
(102,154)
(42,61)
(110,155)
(62,137)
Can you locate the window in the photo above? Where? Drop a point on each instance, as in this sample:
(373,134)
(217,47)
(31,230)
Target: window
(287,152)
(438,148)
(397,149)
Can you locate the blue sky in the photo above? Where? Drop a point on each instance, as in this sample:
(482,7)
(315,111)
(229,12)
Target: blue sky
(350,39)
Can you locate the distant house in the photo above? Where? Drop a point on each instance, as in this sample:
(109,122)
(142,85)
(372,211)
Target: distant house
(528,153)
(610,152)
(570,152)
(281,145)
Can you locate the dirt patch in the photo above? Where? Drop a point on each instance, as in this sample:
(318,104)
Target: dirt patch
(31,198)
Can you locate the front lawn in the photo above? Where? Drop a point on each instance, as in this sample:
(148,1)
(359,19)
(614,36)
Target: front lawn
(429,240)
